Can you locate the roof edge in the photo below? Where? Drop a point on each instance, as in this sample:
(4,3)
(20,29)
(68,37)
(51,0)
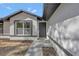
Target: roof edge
(19,11)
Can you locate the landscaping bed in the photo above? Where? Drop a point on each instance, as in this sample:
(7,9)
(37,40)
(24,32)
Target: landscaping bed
(49,51)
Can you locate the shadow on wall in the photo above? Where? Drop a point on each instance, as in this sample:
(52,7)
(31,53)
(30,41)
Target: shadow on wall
(67,34)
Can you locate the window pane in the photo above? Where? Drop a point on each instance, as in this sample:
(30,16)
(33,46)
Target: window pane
(27,31)
(19,31)
(27,25)
(1,28)
(19,25)
(1,25)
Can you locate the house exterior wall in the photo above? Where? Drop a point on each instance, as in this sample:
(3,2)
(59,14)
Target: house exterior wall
(6,28)
(24,16)
(63,12)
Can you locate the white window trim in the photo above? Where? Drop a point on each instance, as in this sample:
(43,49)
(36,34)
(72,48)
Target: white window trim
(23,28)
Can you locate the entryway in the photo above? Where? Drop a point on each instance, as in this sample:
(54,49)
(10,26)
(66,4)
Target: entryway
(42,29)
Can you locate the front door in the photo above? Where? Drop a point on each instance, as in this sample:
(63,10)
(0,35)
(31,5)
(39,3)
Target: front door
(42,29)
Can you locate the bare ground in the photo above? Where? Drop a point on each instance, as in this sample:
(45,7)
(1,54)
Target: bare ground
(14,47)
(49,51)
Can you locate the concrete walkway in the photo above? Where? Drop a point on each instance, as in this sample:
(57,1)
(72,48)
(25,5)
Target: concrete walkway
(36,47)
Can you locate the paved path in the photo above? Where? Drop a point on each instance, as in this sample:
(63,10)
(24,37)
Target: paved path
(36,47)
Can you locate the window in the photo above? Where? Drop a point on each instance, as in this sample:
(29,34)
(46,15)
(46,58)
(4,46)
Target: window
(27,25)
(27,28)
(1,25)
(19,25)
(1,28)
(19,28)
(23,27)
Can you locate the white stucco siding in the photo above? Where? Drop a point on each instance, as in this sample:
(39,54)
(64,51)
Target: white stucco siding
(6,28)
(63,12)
(35,28)
(67,13)
(24,16)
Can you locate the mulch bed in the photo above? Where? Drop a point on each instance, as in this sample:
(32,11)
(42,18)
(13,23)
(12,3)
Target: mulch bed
(49,51)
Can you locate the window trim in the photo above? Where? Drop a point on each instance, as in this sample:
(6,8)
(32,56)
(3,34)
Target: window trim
(23,27)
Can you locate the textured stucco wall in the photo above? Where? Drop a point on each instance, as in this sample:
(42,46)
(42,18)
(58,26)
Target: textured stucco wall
(24,16)
(62,27)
